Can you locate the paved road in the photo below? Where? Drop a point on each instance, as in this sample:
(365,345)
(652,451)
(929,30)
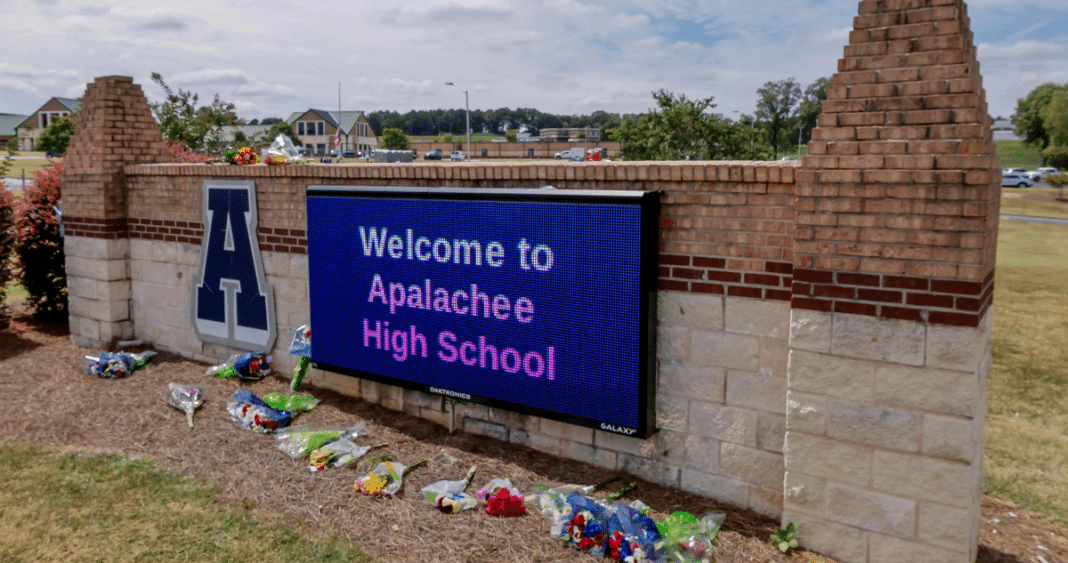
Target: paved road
(1030,219)
(15,183)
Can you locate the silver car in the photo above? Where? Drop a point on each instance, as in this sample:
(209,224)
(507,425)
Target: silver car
(1015,180)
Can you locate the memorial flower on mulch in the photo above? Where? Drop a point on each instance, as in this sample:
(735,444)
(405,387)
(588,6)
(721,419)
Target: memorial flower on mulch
(117,365)
(250,366)
(385,479)
(633,537)
(503,503)
(300,346)
(252,413)
(185,398)
(300,441)
(688,539)
(585,527)
(449,496)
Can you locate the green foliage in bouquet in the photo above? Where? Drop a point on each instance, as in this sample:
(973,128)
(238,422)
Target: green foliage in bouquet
(783,538)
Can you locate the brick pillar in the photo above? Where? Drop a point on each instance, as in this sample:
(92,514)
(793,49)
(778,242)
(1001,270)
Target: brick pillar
(897,215)
(115,127)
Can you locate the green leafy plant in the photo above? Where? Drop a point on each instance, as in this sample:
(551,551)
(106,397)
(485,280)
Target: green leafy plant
(1058,181)
(783,538)
(56,137)
(39,245)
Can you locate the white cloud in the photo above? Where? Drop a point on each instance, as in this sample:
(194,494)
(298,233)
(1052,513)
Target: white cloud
(211,76)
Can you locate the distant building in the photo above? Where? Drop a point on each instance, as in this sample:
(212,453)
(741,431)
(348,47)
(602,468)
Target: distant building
(31,127)
(1004,130)
(571,134)
(8,123)
(316,129)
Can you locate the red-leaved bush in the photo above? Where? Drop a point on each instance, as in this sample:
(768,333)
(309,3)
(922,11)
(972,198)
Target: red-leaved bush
(39,246)
(180,154)
(7,239)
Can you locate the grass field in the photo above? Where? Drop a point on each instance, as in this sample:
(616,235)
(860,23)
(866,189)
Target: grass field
(1015,154)
(1027,421)
(1036,202)
(27,165)
(115,508)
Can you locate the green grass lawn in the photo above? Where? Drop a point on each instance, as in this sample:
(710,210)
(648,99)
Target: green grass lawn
(1027,422)
(1015,154)
(1035,202)
(57,506)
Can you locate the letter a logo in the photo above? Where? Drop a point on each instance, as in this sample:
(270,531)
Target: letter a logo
(232,301)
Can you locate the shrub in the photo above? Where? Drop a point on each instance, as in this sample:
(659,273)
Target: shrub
(1056,157)
(39,246)
(181,154)
(7,240)
(1057,181)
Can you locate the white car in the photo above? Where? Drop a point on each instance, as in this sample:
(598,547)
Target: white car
(456,155)
(1015,180)
(1038,174)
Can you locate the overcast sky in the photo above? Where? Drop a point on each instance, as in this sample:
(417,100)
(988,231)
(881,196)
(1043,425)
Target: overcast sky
(271,58)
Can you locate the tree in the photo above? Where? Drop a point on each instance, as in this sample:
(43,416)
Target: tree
(511,135)
(776,111)
(56,137)
(393,139)
(812,106)
(180,121)
(1028,120)
(682,129)
(1055,118)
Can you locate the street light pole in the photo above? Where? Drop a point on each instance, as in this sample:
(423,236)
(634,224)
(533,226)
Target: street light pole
(467,108)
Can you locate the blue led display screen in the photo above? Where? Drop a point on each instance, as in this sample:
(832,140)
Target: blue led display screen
(539,301)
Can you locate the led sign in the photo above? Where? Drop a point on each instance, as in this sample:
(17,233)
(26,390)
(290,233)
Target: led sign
(537,301)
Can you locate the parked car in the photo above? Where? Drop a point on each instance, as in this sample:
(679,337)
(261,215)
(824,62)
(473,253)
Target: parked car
(432,155)
(1038,174)
(457,155)
(1015,180)
(1015,171)
(53,154)
(350,154)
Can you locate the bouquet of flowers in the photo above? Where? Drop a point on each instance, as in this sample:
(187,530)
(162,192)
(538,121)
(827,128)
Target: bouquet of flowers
(244,156)
(251,412)
(689,540)
(552,503)
(118,365)
(385,479)
(299,441)
(337,453)
(281,151)
(633,537)
(503,503)
(295,404)
(185,398)
(301,346)
(449,496)
(252,366)
(585,527)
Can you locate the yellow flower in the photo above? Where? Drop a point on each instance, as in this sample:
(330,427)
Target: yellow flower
(374,484)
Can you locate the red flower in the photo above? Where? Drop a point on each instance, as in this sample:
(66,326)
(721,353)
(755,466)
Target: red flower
(503,503)
(585,544)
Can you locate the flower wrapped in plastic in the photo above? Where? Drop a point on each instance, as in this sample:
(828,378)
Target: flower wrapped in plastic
(585,526)
(281,151)
(251,366)
(689,539)
(299,441)
(295,404)
(504,503)
(449,496)
(300,346)
(117,365)
(185,398)
(243,156)
(336,454)
(385,479)
(633,537)
(251,412)
(552,502)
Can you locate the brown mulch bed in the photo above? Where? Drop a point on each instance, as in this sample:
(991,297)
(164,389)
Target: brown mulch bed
(57,403)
